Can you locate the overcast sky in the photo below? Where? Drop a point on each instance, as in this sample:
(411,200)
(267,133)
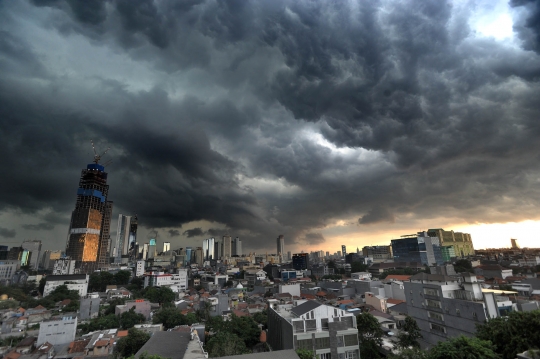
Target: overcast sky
(327,121)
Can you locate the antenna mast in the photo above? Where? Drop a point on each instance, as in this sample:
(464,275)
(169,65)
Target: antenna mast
(97,157)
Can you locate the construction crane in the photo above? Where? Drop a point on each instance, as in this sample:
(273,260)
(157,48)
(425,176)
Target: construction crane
(97,157)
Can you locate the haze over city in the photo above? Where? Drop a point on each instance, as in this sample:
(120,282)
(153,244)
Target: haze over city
(329,122)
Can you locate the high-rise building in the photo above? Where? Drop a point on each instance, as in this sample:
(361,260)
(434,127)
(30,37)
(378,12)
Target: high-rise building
(48,258)
(152,248)
(280,244)
(89,231)
(227,246)
(189,255)
(218,248)
(208,249)
(237,247)
(344,250)
(300,261)
(122,237)
(289,255)
(420,248)
(515,244)
(462,242)
(34,247)
(378,253)
(166,246)
(145,252)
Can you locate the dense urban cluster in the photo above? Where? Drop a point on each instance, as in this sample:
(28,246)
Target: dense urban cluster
(426,295)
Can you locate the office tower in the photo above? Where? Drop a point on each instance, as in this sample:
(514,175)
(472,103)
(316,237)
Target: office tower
(208,249)
(152,248)
(48,258)
(289,255)
(89,229)
(344,250)
(166,246)
(218,248)
(199,257)
(237,247)
(515,244)
(189,255)
(227,246)
(122,237)
(462,242)
(280,244)
(300,261)
(34,247)
(15,253)
(378,253)
(420,248)
(145,252)
(327,254)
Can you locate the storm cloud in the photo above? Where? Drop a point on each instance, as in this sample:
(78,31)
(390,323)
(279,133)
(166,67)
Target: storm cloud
(268,117)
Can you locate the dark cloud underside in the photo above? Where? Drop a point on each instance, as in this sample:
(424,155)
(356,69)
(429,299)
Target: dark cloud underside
(269,117)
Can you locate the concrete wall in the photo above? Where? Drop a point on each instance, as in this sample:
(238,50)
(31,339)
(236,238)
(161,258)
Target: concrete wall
(89,308)
(57,332)
(280,332)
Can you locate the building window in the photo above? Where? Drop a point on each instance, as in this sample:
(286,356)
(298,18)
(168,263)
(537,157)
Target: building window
(435,315)
(351,355)
(325,355)
(430,291)
(322,343)
(351,340)
(324,323)
(305,344)
(433,303)
(437,328)
(299,326)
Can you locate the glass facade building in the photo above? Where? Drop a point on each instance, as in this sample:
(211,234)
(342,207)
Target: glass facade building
(421,249)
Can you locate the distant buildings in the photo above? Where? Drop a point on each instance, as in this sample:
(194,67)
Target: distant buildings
(63,266)
(300,261)
(34,249)
(78,282)
(515,244)
(126,237)
(237,247)
(227,246)
(378,253)
(280,241)
(7,269)
(461,242)
(209,249)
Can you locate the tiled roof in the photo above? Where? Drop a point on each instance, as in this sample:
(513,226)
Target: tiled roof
(398,277)
(78,346)
(122,333)
(394,301)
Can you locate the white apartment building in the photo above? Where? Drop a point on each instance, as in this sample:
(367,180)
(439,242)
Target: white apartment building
(161,279)
(330,332)
(7,269)
(78,282)
(57,331)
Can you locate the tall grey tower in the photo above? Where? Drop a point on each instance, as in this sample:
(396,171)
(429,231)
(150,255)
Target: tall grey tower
(280,244)
(227,246)
(237,247)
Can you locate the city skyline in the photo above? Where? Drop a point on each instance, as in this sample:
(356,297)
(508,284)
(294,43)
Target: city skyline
(346,123)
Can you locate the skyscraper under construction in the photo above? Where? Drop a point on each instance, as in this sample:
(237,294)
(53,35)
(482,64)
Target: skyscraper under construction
(89,231)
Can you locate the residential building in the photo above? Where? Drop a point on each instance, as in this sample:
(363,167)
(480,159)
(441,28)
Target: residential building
(376,301)
(493,271)
(34,247)
(329,332)
(446,307)
(361,275)
(141,306)
(300,261)
(280,245)
(320,270)
(139,268)
(462,242)
(57,331)
(89,229)
(8,269)
(78,282)
(63,266)
(89,307)
(417,248)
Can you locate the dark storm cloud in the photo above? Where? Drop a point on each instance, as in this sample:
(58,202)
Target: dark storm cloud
(195,232)
(273,117)
(39,227)
(7,233)
(376,215)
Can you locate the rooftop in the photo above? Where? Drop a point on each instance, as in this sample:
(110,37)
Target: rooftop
(170,345)
(305,307)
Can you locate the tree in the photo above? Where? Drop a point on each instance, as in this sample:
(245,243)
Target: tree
(41,285)
(100,323)
(409,335)
(225,344)
(246,329)
(122,277)
(111,309)
(358,267)
(410,353)
(508,334)
(229,283)
(131,343)
(130,318)
(158,294)
(205,307)
(169,317)
(463,265)
(305,353)
(261,318)
(463,348)
(331,264)
(370,335)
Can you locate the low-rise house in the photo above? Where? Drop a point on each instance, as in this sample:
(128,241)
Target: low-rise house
(78,282)
(120,293)
(57,331)
(377,301)
(361,276)
(493,271)
(26,345)
(141,306)
(89,307)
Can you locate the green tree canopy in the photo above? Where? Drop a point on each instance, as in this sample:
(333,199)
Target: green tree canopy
(158,294)
(358,267)
(463,348)
(370,335)
(100,323)
(305,353)
(130,344)
(517,332)
(169,317)
(225,344)
(122,277)
(409,335)
(130,318)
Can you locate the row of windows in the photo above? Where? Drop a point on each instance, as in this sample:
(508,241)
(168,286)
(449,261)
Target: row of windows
(324,343)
